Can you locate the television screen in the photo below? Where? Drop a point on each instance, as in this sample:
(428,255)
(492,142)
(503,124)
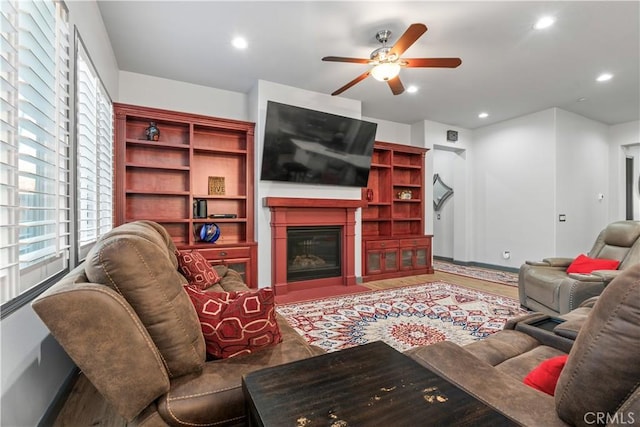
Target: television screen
(313,147)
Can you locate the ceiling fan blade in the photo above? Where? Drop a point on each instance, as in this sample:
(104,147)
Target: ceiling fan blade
(396,85)
(341,59)
(432,62)
(352,83)
(409,37)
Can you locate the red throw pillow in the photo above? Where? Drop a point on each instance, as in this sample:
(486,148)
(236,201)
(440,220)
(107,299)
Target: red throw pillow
(196,269)
(584,264)
(235,323)
(544,377)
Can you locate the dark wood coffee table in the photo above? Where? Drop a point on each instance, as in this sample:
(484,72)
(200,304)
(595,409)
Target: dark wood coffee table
(368,385)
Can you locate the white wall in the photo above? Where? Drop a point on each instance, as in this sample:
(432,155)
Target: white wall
(156,92)
(34,366)
(387,131)
(582,174)
(513,176)
(443,220)
(624,140)
(452,237)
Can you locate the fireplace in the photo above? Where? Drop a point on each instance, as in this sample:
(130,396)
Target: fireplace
(334,215)
(313,252)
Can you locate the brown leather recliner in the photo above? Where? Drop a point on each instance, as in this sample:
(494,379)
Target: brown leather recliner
(125,320)
(545,285)
(599,385)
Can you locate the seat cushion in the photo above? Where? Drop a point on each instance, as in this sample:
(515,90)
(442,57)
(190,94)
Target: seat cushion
(214,397)
(134,260)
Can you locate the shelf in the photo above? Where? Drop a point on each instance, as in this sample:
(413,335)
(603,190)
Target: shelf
(208,220)
(403,166)
(380,166)
(146,166)
(217,196)
(157,193)
(387,219)
(206,150)
(157,145)
(160,180)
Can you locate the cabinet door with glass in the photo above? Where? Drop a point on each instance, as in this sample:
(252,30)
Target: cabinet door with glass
(381,256)
(415,254)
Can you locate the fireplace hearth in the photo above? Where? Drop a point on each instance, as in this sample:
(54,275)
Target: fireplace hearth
(313,253)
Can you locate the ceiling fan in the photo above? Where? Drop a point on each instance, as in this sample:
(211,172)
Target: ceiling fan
(387,61)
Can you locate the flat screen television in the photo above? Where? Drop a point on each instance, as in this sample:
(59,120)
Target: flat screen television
(313,147)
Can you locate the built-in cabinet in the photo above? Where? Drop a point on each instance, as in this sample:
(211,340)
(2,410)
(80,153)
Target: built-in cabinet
(195,161)
(393,239)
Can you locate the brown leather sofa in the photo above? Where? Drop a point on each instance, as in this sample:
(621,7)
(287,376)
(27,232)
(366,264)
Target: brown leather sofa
(599,385)
(125,320)
(545,285)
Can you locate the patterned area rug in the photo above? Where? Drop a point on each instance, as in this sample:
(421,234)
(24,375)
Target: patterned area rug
(403,317)
(487,274)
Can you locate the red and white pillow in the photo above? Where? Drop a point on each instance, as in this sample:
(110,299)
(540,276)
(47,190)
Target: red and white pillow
(235,323)
(196,269)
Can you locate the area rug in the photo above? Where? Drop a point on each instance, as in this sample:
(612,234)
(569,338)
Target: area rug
(403,317)
(490,275)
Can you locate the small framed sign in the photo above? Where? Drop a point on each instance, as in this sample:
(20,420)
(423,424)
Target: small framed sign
(452,135)
(216,186)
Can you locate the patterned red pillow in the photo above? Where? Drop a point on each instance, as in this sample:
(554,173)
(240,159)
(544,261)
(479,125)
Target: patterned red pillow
(196,269)
(235,323)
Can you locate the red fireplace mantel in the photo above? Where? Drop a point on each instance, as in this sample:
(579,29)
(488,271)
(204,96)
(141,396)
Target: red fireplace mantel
(290,212)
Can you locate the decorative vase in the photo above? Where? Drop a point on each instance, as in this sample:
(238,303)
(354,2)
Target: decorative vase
(405,194)
(152,132)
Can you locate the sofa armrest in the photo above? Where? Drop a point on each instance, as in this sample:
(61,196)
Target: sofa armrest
(101,333)
(558,261)
(606,275)
(525,318)
(585,277)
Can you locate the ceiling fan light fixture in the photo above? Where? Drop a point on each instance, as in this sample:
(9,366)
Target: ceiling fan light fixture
(385,71)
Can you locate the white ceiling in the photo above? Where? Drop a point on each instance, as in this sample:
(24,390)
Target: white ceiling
(508,69)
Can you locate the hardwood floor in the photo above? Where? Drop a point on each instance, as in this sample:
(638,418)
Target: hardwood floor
(86,407)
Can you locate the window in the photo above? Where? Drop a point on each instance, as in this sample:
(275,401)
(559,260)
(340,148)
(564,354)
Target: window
(34,164)
(94,138)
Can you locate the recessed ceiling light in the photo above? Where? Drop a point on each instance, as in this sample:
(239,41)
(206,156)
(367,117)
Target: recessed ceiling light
(412,89)
(239,43)
(483,115)
(544,22)
(604,77)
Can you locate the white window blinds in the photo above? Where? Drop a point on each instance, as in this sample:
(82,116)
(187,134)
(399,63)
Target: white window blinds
(94,154)
(34,204)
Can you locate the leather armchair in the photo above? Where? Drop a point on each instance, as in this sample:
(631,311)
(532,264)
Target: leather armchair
(545,285)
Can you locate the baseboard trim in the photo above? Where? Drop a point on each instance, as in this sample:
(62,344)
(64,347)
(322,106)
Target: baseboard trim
(477,264)
(52,412)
